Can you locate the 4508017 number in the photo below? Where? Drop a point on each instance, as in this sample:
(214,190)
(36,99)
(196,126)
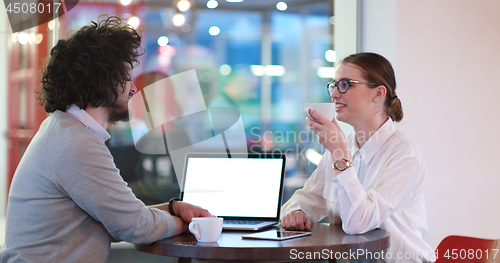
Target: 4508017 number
(471,253)
(33,8)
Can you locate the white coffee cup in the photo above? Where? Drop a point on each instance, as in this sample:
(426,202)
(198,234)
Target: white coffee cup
(206,229)
(326,110)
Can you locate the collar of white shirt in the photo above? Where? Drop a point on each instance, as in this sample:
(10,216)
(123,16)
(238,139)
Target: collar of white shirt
(89,122)
(375,141)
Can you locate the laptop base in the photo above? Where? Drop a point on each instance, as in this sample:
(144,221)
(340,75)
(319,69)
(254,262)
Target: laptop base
(238,225)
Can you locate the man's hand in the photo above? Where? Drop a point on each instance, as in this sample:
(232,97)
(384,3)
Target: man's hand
(181,226)
(188,211)
(185,212)
(296,220)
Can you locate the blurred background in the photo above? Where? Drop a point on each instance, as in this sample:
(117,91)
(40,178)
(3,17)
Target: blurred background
(265,58)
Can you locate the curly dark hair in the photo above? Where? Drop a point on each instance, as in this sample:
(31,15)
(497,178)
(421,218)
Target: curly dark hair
(86,68)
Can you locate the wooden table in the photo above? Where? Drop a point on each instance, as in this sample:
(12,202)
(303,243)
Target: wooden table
(326,242)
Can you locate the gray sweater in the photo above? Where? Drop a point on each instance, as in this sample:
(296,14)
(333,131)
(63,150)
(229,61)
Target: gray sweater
(67,200)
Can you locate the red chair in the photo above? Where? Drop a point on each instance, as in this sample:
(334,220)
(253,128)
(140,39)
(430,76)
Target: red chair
(467,249)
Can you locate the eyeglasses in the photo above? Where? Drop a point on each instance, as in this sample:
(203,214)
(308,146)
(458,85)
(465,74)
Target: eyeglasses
(342,85)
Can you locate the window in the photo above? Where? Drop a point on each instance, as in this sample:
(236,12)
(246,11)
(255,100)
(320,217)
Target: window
(249,56)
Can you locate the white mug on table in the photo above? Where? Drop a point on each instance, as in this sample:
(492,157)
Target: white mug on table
(206,229)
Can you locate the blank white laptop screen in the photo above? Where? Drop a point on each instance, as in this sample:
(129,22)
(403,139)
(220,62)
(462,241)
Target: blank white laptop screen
(234,187)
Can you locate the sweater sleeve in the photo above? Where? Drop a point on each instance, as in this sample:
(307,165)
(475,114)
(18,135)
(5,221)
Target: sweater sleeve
(86,173)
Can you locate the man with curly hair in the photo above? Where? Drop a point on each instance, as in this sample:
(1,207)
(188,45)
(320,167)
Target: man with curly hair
(67,201)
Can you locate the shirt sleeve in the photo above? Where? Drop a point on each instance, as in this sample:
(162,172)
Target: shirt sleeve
(87,174)
(309,199)
(362,211)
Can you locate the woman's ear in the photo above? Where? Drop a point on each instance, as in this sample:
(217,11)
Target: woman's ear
(380,92)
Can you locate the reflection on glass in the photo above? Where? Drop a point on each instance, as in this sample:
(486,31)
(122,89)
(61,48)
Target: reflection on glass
(261,61)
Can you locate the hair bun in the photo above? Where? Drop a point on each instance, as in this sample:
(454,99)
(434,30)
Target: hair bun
(395,110)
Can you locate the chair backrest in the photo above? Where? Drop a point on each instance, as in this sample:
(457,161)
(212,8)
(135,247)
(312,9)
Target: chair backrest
(468,249)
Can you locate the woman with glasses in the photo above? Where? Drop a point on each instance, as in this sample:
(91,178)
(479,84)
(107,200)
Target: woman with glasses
(373,178)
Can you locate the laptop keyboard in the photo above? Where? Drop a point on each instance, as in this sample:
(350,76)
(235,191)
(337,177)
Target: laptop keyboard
(241,222)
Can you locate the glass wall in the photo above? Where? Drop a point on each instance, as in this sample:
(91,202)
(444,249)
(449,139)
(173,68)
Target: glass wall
(250,56)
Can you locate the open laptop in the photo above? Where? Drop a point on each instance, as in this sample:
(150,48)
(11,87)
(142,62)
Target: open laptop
(246,190)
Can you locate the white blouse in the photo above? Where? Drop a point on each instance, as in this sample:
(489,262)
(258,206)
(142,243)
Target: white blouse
(385,189)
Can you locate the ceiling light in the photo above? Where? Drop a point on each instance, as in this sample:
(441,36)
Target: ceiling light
(125,2)
(162,41)
(50,25)
(269,70)
(14,37)
(331,56)
(211,4)
(179,19)
(38,38)
(225,69)
(214,30)
(258,70)
(282,6)
(275,70)
(31,38)
(326,72)
(183,5)
(234,1)
(134,22)
(23,38)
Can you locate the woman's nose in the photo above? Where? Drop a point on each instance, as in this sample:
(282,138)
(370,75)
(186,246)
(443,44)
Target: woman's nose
(335,95)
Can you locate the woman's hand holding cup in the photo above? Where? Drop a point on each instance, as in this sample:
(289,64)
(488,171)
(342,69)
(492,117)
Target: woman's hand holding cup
(329,134)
